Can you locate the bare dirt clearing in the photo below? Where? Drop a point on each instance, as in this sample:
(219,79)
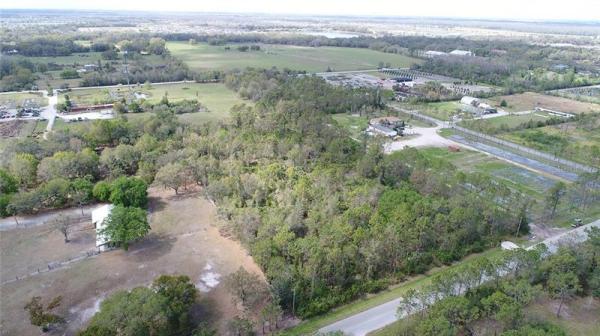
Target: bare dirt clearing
(183,240)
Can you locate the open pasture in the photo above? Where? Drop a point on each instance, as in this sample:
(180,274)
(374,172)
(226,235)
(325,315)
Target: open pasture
(529,100)
(202,57)
(183,240)
(217,98)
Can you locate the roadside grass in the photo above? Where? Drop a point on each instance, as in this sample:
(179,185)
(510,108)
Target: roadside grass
(20,97)
(568,140)
(312,325)
(580,317)
(510,121)
(203,57)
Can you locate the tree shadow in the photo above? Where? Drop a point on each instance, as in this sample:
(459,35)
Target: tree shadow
(156,204)
(151,247)
(204,311)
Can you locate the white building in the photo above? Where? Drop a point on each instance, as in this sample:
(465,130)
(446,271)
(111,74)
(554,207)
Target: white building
(458,52)
(381,130)
(433,53)
(99,216)
(508,245)
(467,100)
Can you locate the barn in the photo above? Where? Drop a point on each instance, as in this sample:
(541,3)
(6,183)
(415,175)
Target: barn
(99,216)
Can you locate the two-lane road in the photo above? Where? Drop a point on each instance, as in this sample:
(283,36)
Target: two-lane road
(386,314)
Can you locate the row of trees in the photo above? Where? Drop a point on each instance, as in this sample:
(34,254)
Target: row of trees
(490,294)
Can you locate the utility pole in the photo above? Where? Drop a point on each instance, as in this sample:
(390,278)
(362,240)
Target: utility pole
(126,69)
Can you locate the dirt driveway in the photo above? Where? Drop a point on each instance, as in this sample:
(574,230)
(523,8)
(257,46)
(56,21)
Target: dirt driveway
(183,240)
(423,137)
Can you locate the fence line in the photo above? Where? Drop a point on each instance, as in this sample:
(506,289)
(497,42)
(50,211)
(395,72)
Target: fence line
(553,158)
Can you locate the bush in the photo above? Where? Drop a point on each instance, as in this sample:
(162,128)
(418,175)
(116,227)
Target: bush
(129,192)
(101,191)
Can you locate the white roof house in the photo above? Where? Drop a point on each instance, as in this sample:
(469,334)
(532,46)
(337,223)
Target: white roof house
(433,53)
(99,216)
(459,52)
(508,245)
(382,130)
(467,100)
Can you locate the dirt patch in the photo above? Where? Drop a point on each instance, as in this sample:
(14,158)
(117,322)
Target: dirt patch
(529,100)
(184,240)
(579,317)
(9,129)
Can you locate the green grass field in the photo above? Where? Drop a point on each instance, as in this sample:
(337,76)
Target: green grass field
(20,97)
(569,140)
(206,57)
(440,110)
(216,97)
(510,120)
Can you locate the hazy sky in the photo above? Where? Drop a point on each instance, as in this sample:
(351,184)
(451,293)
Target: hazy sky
(511,9)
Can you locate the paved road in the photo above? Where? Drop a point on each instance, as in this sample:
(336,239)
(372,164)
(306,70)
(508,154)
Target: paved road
(49,112)
(385,314)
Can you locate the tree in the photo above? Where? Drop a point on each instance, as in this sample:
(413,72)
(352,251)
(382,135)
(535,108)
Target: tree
(503,103)
(125,225)
(62,223)
(241,326)
(181,294)
(172,175)
(271,313)
(247,288)
(162,310)
(129,192)
(553,197)
(42,317)
(563,286)
(102,191)
(24,167)
(8,184)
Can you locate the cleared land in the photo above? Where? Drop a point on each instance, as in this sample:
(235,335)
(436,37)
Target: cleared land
(575,141)
(202,57)
(528,183)
(441,110)
(530,100)
(183,240)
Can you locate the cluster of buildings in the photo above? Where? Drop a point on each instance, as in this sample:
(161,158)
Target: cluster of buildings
(475,106)
(88,68)
(390,127)
(456,52)
(29,108)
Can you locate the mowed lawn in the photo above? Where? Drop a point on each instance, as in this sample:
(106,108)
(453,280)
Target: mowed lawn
(202,57)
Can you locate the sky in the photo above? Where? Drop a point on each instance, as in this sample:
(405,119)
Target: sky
(496,9)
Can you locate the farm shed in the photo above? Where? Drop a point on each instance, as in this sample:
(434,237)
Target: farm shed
(99,216)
